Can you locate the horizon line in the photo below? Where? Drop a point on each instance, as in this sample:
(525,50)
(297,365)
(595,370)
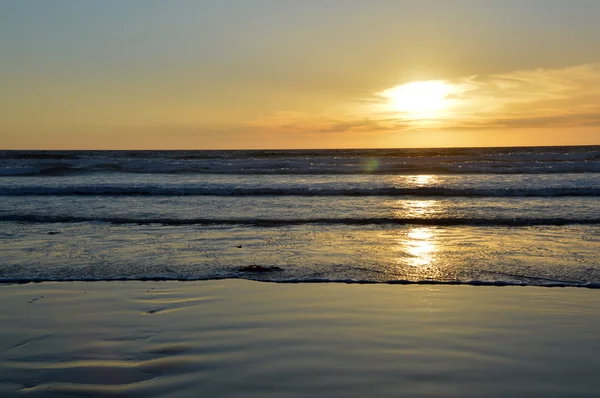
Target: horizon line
(298,149)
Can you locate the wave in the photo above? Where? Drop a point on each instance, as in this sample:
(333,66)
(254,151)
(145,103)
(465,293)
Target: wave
(186,190)
(315,162)
(281,222)
(309,168)
(497,283)
(577,150)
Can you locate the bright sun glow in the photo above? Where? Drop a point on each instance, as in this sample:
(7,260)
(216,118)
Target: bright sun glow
(420,99)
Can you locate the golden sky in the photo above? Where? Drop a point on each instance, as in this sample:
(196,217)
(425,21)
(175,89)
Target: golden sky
(234,74)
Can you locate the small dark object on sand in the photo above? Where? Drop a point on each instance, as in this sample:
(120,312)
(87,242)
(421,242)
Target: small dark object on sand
(53,233)
(239,246)
(259,268)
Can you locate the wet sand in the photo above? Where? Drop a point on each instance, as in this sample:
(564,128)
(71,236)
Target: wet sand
(236,338)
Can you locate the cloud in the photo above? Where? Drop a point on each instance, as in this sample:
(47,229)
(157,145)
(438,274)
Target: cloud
(533,94)
(555,121)
(297,122)
(538,98)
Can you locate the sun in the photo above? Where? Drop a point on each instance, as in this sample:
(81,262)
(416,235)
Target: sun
(419,99)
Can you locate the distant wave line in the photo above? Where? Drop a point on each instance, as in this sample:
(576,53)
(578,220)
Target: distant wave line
(108,190)
(281,222)
(320,170)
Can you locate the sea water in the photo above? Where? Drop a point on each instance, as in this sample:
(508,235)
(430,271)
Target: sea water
(526,216)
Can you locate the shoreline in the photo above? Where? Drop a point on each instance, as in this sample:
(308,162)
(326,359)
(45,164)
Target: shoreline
(316,281)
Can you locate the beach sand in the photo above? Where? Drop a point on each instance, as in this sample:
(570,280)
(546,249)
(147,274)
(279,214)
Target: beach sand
(237,338)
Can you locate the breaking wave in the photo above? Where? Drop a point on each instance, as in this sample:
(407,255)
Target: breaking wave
(193,190)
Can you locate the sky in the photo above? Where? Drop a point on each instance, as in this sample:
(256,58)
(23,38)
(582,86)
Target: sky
(245,74)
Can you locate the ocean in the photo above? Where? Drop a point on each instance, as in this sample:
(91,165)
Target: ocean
(480,216)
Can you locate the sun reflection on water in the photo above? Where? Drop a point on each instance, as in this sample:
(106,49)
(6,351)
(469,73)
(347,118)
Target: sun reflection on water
(418,208)
(421,247)
(421,180)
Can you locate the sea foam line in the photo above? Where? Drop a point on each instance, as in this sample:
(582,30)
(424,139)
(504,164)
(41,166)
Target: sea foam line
(498,283)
